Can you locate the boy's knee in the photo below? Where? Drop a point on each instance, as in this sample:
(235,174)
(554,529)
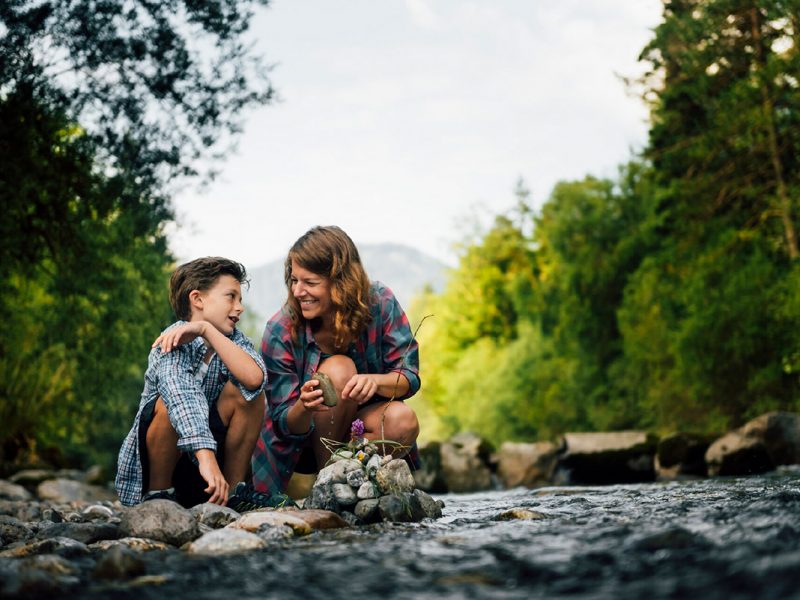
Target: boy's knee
(340,369)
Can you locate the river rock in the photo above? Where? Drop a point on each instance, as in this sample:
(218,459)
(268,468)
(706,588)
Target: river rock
(373,464)
(322,497)
(45,576)
(337,472)
(400,508)
(526,465)
(780,433)
(394,477)
(13,491)
(316,519)
(430,477)
(31,477)
(344,494)
(519,514)
(226,541)
(738,454)
(68,490)
(681,455)
(119,563)
(95,475)
(133,543)
(14,530)
(427,505)
(252,521)
(356,478)
(214,515)
(97,512)
(367,490)
(607,457)
(51,514)
(161,520)
(61,546)
(367,510)
(86,533)
(464,463)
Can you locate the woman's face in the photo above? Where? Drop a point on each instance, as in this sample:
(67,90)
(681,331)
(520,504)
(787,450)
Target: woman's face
(312,291)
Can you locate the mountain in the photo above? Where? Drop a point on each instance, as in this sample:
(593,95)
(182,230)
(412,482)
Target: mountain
(402,268)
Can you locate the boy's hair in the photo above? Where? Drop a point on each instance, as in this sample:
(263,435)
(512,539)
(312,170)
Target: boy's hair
(200,274)
(329,252)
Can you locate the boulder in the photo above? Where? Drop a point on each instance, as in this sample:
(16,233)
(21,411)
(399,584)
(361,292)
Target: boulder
(68,490)
(526,465)
(606,458)
(430,477)
(738,454)
(464,463)
(13,491)
(161,520)
(422,502)
(398,508)
(760,445)
(681,455)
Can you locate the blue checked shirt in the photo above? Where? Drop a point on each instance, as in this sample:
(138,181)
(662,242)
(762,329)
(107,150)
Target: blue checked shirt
(173,377)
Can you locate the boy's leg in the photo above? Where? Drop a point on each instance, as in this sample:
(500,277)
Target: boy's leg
(244,421)
(162,449)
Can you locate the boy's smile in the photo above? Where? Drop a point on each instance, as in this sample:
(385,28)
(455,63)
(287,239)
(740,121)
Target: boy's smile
(221,304)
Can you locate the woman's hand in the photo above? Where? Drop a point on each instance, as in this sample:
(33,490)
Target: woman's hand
(182,334)
(360,388)
(311,397)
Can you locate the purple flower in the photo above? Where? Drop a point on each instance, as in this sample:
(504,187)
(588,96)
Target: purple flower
(357,429)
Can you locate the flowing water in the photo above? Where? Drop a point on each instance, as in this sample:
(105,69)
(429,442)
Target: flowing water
(713,538)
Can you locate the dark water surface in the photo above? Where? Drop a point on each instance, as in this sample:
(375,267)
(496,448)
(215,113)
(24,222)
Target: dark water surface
(715,538)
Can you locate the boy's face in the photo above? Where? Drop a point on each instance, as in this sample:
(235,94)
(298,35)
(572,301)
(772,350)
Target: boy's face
(220,305)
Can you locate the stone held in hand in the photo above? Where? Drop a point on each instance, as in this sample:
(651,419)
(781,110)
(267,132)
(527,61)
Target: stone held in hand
(329,395)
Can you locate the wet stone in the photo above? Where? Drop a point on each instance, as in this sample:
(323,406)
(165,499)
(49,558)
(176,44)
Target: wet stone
(351,519)
(13,491)
(14,530)
(316,519)
(226,541)
(428,506)
(68,490)
(322,497)
(61,546)
(51,514)
(214,515)
(519,514)
(274,533)
(337,472)
(134,543)
(119,563)
(395,477)
(41,576)
(344,494)
(356,479)
(367,510)
(367,490)
(396,508)
(86,533)
(161,520)
(252,521)
(97,511)
(31,477)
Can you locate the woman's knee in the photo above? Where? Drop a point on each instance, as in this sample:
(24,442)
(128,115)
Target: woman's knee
(401,422)
(340,369)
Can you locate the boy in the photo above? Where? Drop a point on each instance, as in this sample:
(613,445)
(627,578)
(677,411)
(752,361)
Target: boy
(202,407)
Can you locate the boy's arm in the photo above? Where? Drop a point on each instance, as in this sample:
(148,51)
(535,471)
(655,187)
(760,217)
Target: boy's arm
(244,367)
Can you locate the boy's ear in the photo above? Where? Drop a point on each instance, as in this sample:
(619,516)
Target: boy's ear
(196,299)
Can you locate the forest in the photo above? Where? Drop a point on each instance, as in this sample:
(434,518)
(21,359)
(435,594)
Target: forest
(665,298)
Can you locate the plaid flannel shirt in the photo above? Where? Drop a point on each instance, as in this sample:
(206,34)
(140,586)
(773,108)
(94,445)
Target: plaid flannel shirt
(172,377)
(387,345)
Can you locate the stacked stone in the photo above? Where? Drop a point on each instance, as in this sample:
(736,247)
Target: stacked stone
(364,487)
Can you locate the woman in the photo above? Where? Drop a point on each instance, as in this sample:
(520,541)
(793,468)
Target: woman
(338,323)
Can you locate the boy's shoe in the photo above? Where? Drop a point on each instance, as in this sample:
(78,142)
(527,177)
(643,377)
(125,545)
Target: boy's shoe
(245,497)
(167,494)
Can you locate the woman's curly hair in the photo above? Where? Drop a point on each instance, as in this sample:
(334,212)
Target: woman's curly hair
(329,252)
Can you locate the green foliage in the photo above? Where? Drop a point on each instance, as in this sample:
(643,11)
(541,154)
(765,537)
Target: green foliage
(665,299)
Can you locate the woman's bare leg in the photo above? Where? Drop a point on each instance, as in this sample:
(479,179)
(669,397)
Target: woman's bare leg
(335,423)
(400,425)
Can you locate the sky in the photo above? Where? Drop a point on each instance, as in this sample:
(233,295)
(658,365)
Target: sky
(409,121)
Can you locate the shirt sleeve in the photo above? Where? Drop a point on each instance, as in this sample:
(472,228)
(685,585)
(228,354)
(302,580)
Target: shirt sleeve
(245,344)
(399,348)
(186,403)
(283,379)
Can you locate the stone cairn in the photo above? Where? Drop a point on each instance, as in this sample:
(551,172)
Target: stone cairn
(363,486)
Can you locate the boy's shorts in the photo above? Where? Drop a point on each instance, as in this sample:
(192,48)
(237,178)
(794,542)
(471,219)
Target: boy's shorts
(186,479)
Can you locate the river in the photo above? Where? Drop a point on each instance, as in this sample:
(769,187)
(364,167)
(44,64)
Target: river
(711,538)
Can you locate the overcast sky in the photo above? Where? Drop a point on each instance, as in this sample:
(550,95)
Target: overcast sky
(399,119)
